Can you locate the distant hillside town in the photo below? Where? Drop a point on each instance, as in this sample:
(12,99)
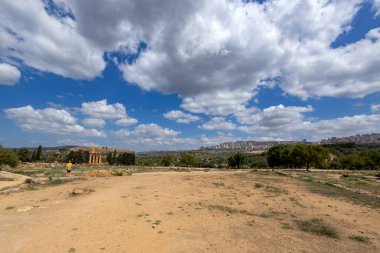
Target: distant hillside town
(247,146)
(359,139)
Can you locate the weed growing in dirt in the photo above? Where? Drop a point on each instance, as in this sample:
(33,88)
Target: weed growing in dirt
(9,207)
(224,208)
(72,250)
(157,222)
(359,238)
(276,190)
(170,213)
(217,184)
(317,226)
(258,185)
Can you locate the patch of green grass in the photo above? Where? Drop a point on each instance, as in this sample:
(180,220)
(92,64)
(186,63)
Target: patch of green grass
(72,250)
(318,227)
(306,177)
(55,173)
(6,179)
(359,238)
(258,185)
(286,226)
(9,207)
(332,191)
(276,190)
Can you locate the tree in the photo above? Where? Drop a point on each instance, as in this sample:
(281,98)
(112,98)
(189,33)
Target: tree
(24,155)
(38,154)
(278,155)
(33,156)
(186,159)
(114,157)
(167,160)
(76,156)
(109,159)
(236,160)
(127,158)
(8,157)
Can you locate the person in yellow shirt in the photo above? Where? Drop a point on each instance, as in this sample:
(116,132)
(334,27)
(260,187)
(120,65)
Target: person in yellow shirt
(69,165)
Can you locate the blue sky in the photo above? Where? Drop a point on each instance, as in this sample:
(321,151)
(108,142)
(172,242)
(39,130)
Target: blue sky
(179,74)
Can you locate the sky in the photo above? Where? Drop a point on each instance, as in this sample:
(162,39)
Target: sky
(176,75)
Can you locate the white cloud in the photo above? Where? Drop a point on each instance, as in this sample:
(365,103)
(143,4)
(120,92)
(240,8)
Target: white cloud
(181,117)
(290,123)
(46,42)
(154,137)
(376,7)
(217,103)
(77,143)
(9,75)
(97,123)
(101,110)
(375,108)
(126,122)
(49,120)
(218,123)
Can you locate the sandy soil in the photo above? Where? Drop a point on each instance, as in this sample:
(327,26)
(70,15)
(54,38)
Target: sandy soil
(181,212)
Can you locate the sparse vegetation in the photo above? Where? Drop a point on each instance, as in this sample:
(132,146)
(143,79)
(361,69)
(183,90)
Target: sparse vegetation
(359,238)
(317,226)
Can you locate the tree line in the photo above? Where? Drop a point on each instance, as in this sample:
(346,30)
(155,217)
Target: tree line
(332,156)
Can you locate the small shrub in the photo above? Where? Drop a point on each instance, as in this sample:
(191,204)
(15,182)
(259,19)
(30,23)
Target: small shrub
(119,173)
(258,185)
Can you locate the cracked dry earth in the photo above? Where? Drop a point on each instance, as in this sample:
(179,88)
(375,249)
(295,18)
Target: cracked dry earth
(182,212)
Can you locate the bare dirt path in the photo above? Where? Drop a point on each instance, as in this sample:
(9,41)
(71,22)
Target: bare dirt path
(14,179)
(181,212)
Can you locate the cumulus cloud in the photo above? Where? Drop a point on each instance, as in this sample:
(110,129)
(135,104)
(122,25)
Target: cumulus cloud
(102,110)
(201,51)
(218,123)
(126,121)
(97,123)
(46,42)
(9,75)
(154,137)
(375,108)
(49,120)
(181,117)
(290,123)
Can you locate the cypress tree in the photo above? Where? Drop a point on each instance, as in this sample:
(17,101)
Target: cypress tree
(38,154)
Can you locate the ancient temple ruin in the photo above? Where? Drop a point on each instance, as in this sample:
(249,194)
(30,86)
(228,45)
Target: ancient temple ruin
(95,156)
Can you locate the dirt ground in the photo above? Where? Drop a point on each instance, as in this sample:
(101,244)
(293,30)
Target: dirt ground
(183,212)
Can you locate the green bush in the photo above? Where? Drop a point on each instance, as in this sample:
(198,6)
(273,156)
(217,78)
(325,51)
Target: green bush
(8,157)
